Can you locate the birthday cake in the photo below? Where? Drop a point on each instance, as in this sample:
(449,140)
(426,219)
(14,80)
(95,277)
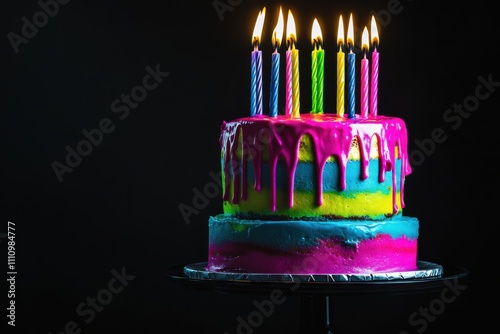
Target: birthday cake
(313,193)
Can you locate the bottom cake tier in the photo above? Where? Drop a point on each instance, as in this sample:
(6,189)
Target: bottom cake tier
(312,247)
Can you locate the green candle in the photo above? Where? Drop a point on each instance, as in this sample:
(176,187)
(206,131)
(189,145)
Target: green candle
(317,70)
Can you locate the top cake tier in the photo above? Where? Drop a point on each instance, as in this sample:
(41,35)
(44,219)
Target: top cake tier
(316,166)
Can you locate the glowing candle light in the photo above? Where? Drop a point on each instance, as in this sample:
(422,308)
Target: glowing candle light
(256,103)
(364,74)
(351,72)
(374,70)
(275,66)
(318,69)
(340,69)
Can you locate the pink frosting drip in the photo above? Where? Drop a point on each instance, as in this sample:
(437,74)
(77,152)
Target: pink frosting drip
(332,135)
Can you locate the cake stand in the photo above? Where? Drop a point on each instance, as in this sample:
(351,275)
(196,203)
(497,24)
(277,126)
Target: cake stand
(317,290)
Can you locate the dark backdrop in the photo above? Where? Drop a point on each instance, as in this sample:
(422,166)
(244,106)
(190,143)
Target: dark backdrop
(115,212)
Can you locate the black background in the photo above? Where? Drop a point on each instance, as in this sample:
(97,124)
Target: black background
(119,207)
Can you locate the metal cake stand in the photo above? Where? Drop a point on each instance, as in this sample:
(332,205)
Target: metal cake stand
(316,290)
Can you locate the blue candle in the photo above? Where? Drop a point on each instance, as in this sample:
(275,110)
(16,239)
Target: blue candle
(275,75)
(351,84)
(275,65)
(351,72)
(256,68)
(258,83)
(253,93)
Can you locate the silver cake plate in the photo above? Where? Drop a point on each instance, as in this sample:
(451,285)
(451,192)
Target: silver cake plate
(425,270)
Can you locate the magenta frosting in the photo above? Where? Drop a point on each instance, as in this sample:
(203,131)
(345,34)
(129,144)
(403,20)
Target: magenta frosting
(332,135)
(380,254)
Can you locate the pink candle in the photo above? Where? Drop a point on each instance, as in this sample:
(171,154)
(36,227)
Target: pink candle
(364,75)
(374,71)
(292,101)
(364,86)
(288,84)
(374,84)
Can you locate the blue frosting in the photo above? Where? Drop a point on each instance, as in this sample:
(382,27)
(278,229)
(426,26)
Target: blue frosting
(286,234)
(304,180)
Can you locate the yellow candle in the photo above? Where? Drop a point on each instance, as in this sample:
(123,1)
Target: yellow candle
(295,83)
(340,69)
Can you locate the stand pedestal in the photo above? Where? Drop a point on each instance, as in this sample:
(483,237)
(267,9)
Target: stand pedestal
(318,292)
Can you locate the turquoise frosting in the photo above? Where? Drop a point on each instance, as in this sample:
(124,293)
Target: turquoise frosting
(305,183)
(296,233)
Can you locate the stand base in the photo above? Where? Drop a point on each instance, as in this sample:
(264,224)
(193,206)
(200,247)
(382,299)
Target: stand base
(317,297)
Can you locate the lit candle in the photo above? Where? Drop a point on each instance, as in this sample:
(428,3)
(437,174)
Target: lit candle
(275,66)
(351,72)
(340,69)
(374,71)
(318,69)
(256,68)
(288,84)
(292,67)
(364,74)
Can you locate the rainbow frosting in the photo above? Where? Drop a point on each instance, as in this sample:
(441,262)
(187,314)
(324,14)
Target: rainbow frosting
(319,193)
(312,247)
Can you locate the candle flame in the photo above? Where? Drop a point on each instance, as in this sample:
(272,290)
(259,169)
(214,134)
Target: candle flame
(374,32)
(340,32)
(364,40)
(316,36)
(257,31)
(278,30)
(350,33)
(290,30)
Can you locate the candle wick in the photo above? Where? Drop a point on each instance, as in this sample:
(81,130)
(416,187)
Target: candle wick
(255,44)
(317,44)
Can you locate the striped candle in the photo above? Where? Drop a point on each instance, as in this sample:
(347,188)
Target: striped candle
(253,78)
(275,76)
(374,70)
(275,66)
(351,72)
(288,84)
(320,79)
(351,84)
(295,83)
(314,83)
(292,69)
(317,69)
(256,104)
(364,75)
(258,83)
(340,69)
